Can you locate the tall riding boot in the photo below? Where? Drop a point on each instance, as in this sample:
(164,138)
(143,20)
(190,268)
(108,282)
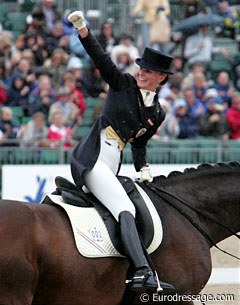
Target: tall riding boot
(144,278)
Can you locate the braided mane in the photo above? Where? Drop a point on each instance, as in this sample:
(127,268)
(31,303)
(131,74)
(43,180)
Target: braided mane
(202,167)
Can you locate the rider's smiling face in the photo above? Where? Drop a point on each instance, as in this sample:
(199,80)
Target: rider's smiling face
(149,79)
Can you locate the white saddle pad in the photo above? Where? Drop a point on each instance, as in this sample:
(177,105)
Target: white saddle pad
(90,233)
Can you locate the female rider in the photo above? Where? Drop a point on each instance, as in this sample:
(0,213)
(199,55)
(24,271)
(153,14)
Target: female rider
(132,114)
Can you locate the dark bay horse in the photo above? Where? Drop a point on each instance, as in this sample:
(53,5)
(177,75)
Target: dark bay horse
(40,265)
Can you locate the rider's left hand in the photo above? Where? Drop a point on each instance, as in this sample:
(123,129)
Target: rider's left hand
(146,174)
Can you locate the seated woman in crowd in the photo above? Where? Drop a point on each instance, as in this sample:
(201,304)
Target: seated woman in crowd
(59,133)
(35,132)
(8,128)
(42,97)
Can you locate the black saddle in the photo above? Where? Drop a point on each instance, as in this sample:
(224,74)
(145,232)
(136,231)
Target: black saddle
(75,196)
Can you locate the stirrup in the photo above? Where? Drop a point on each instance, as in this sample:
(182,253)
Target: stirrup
(143,281)
(149,282)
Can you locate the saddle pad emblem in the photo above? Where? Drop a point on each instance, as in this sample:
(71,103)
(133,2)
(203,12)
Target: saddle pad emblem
(96,234)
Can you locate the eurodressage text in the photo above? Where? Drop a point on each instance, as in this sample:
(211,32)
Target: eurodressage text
(145,297)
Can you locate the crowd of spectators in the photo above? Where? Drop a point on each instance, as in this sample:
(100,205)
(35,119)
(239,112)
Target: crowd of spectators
(47,73)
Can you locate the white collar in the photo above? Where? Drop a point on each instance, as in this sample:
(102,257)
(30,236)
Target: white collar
(147,96)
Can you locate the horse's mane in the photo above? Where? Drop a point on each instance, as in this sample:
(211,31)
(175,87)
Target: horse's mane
(200,168)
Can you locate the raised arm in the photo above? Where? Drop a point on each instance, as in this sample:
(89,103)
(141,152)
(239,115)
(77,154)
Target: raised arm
(101,59)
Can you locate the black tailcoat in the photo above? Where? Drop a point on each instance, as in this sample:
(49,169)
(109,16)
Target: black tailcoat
(124,111)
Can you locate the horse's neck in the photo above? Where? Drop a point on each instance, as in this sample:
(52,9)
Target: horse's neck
(224,209)
(218,198)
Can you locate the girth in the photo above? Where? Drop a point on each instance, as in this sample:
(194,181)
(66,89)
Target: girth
(75,196)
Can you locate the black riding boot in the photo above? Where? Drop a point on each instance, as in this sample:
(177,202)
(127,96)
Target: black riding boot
(144,278)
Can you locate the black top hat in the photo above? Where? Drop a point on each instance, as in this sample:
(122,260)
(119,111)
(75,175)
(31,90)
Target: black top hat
(155,60)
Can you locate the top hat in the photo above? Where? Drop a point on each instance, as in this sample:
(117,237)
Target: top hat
(155,60)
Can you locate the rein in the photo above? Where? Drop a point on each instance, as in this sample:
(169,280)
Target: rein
(155,189)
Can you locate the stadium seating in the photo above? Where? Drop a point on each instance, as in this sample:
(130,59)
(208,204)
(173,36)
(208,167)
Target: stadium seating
(16,22)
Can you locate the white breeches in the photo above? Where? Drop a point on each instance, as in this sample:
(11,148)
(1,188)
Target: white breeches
(101,180)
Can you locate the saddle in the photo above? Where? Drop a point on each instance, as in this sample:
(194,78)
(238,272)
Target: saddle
(75,196)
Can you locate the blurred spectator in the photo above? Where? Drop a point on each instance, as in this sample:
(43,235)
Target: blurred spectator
(4,75)
(4,81)
(3,93)
(212,5)
(34,28)
(106,37)
(193,70)
(42,97)
(231,15)
(210,94)
(233,116)
(67,107)
(150,11)
(76,95)
(224,87)
(18,93)
(195,106)
(169,129)
(199,47)
(6,45)
(36,43)
(123,60)
(14,61)
(50,12)
(8,128)
(74,63)
(95,85)
(29,55)
(75,46)
(35,133)
(37,25)
(24,68)
(56,39)
(58,132)
(68,27)
(57,66)
(75,67)
(236,71)
(188,125)
(193,7)
(214,122)
(200,85)
(125,40)
(172,89)
(178,64)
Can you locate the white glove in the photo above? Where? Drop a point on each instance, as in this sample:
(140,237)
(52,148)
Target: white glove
(77,19)
(146,174)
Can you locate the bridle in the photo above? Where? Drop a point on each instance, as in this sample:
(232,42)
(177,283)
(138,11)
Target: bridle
(172,200)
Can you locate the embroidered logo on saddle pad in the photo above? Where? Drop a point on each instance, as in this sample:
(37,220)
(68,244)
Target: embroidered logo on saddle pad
(91,235)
